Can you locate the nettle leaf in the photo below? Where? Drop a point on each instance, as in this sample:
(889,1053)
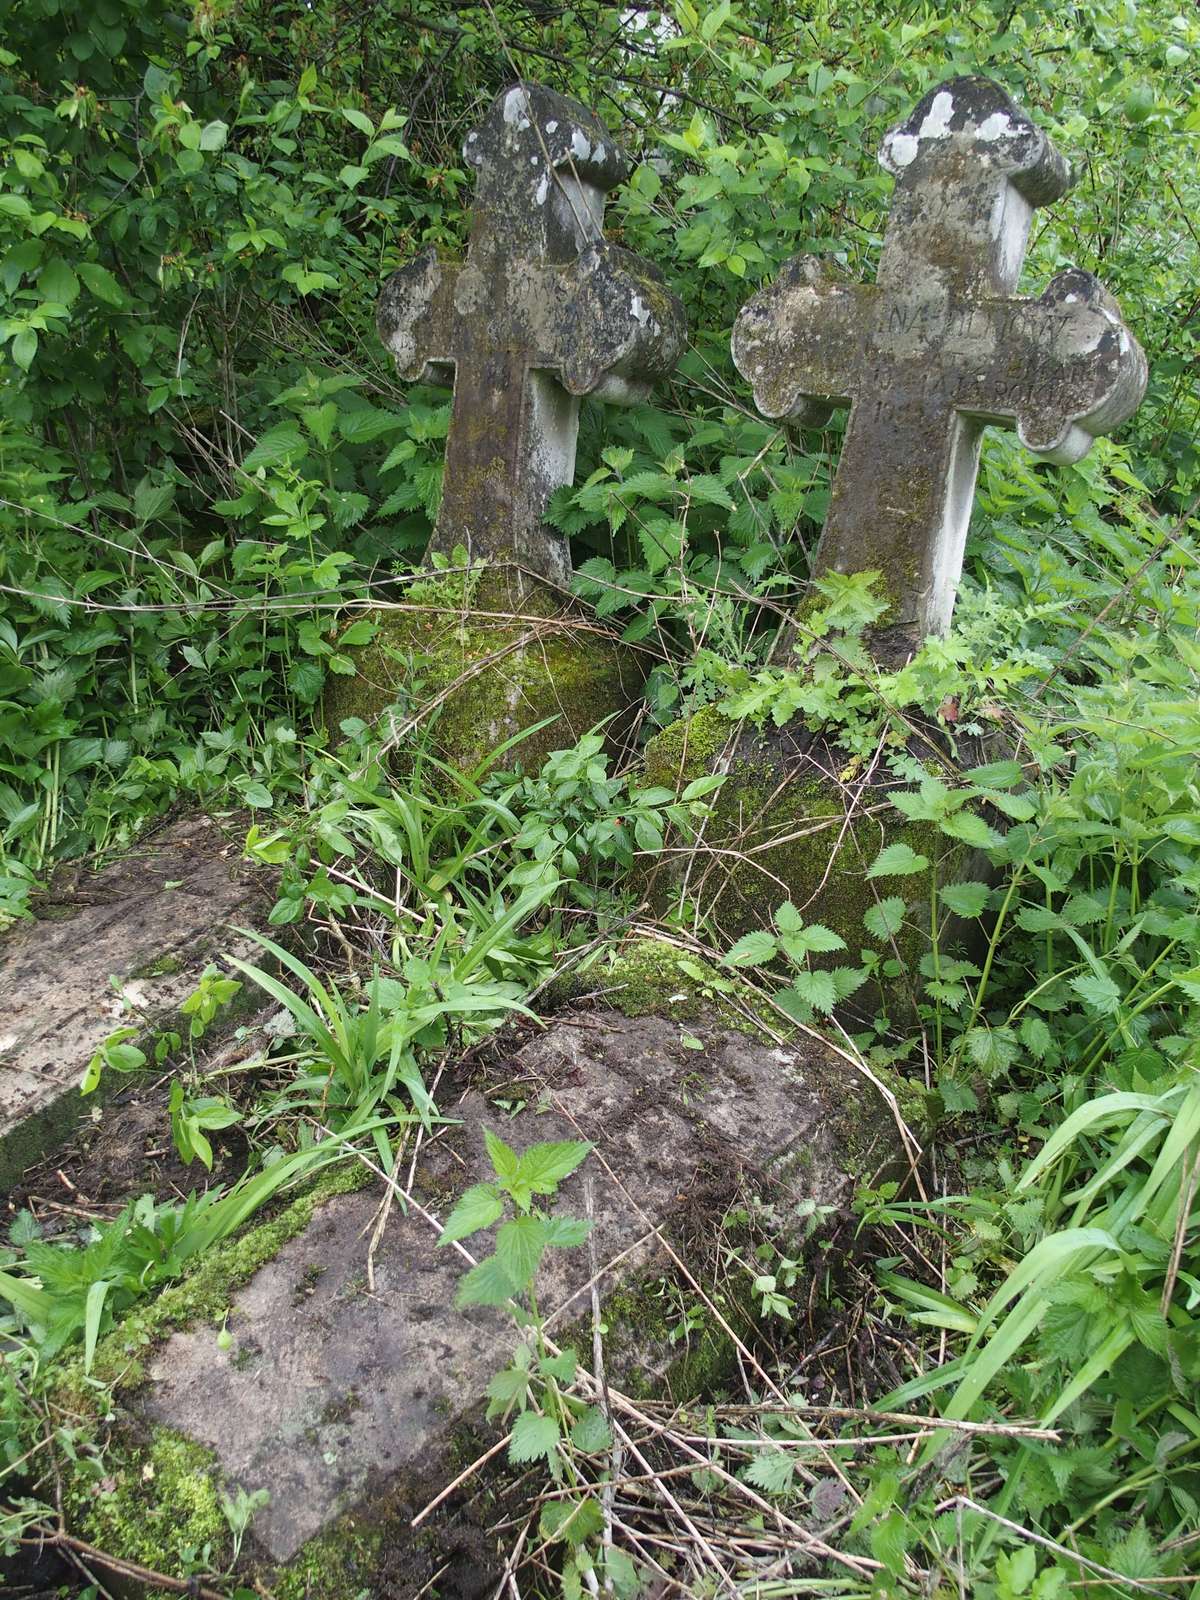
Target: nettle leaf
(486,1285)
(972,830)
(520,1245)
(815,989)
(1098,992)
(591,1433)
(566,1232)
(503,1157)
(992,1050)
(752,950)
(897,861)
(479,1207)
(965,899)
(572,1520)
(508,1389)
(278,444)
(772,1471)
(533,1437)
(885,918)
(544,1166)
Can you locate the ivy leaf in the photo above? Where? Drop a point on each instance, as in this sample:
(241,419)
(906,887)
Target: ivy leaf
(479,1207)
(533,1437)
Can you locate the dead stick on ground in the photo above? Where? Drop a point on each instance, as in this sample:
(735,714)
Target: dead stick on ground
(124,1569)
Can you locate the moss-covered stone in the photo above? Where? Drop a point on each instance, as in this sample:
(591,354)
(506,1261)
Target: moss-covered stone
(780,830)
(481,658)
(157,1503)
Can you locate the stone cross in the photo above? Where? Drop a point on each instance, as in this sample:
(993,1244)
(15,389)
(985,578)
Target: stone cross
(542,312)
(938,347)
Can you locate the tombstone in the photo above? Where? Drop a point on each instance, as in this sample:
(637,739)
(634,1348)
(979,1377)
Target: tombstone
(938,347)
(353,1399)
(542,312)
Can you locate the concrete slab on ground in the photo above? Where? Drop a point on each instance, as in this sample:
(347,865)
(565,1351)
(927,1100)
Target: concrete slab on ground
(121,947)
(334,1397)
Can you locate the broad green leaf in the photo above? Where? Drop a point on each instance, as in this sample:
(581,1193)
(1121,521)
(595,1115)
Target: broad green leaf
(752,950)
(101,282)
(479,1207)
(486,1285)
(591,1432)
(533,1437)
(544,1166)
(897,861)
(965,899)
(885,918)
(520,1245)
(503,1157)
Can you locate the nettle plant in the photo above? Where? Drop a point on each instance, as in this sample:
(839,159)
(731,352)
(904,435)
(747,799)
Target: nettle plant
(552,1425)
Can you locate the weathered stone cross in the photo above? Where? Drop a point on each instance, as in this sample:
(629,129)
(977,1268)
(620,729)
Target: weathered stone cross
(542,312)
(938,347)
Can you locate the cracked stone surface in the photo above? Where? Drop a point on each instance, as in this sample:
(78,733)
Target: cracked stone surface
(333,1396)
(938,347)
(140,931)
(543,311)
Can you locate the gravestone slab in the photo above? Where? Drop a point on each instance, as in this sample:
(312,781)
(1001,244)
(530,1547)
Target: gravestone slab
(543,311)
(938,347)
(340,1401)
(118,948)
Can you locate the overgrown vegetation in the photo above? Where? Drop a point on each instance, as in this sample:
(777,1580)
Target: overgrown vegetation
(207,470)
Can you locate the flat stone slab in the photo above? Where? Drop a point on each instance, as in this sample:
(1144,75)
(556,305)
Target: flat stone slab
(118,948)
(334,1398)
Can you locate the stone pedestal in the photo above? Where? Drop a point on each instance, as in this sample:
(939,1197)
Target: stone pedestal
(795,821)
(481,657)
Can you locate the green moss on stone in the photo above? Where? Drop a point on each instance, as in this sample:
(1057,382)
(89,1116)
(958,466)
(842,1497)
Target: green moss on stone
(482,677)
(777,832)
(652,977)
(155,1501)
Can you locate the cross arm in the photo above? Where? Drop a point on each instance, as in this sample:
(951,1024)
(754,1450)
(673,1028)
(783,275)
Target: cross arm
(801,342)
(416,318)
(618,326)
(1063,368)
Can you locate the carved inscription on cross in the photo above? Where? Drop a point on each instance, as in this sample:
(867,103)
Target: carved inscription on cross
(542,312)
(938,347)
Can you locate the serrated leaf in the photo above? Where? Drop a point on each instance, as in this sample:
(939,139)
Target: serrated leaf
(752,950)
(591,1433)
(519,1248)
(533,1436)
(571,1520)
(278,444)
(972,830)
(815,989)
(503,1157)
(1098,992)
(544,1166)
(486,1285)
(885,918)
(897,861)
(479,1207)
(772,1471)
(965,899)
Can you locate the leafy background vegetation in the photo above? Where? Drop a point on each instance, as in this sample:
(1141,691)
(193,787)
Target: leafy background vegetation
(206,465)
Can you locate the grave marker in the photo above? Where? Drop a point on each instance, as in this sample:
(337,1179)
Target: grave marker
(938,347)
(542,312)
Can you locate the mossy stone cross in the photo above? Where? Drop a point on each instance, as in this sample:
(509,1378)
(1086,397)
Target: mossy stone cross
(542,312)
(938,347)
